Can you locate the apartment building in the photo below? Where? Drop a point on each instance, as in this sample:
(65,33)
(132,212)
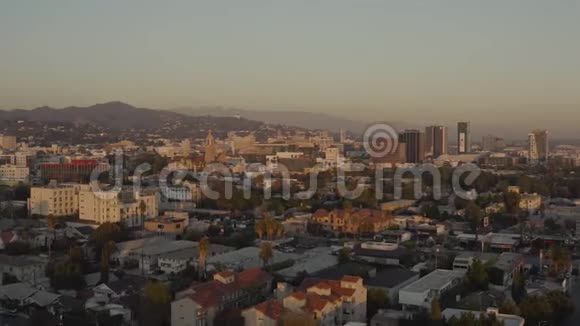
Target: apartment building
(199,305)
(353,221)
(12,174)
(127,206)
(54,199)
(329,302)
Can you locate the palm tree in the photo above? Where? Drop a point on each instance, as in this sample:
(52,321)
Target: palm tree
(279,230)
(51,221)
(260,229)
(560,259)
(270,227)
(203,251)
(266,252)
(106,253)
(142,210)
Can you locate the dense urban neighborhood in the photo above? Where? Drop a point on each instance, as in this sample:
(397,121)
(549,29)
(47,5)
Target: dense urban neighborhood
(292,227)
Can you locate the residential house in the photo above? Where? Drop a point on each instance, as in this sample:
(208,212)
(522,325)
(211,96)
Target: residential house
(23,268)
(329,302)
(200,304)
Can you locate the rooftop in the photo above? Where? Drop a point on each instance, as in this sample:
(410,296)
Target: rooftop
(508,320)
(212,293)
(391,277)
(434,280)
(508,261)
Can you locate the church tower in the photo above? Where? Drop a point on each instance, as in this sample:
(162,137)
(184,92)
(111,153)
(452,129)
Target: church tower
(210,148)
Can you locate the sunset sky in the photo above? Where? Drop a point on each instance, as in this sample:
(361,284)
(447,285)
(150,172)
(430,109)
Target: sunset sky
(501,64)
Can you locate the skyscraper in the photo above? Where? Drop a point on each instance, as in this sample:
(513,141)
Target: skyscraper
(415,141)
(538,146)
(435,141)
(463,137)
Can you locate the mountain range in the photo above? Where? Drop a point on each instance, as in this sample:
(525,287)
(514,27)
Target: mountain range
(308,120)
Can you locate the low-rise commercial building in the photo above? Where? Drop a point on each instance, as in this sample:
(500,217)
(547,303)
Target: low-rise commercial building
(178,261)
(420,294)
(505,268)
(166,225)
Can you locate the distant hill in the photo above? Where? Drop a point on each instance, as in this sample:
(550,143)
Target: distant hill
(118,120)
(114,115)
(308,120)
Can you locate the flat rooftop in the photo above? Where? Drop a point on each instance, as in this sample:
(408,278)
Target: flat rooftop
(508,320)
(434,280)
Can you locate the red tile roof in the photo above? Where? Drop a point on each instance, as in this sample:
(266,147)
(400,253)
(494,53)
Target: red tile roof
(315,302)
(7,237)
(299,296)
(225,274)
(211,294)
(271,308)
(351,279)
(320,213)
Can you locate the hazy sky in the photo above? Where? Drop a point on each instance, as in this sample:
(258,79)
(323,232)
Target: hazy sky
(513,62)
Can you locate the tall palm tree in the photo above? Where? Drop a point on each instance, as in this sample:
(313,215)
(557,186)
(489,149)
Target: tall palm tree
(51,221)
(266,252)
(560,259)
(106,252)
(260,229)
(142,210)
(203,251)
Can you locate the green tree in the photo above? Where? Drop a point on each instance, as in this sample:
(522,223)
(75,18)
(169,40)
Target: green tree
(477,277)
(66,275)
(376,299)
(509,307)
(432,211)
(106,252)
(474,215)
(344,256)
(518,287)
(157,293)
(536,309)
(562,305)
(155,304)
(560,258)
(512,202)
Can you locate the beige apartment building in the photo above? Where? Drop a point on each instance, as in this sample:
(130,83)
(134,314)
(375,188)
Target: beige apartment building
(330,303)
(54,199)
(12,174)
(127,206)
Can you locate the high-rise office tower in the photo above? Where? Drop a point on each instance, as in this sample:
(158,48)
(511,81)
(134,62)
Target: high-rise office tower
(463,137)
(538,146)
(435,141)
(415,141)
